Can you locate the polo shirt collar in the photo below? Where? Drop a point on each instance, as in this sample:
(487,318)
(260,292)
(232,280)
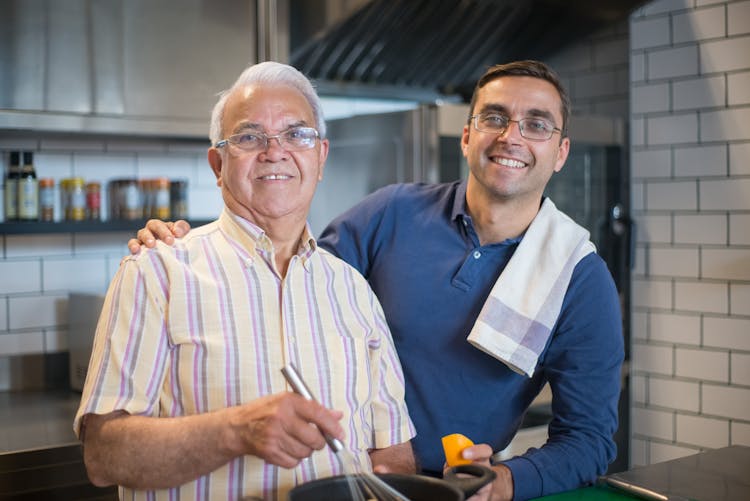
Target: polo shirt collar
(460,212)
(459,202)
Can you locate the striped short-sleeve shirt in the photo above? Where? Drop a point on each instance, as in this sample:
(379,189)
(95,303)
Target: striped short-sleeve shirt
(208,324)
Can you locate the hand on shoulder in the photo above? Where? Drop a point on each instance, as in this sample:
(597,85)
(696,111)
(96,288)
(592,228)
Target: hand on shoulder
(156,229)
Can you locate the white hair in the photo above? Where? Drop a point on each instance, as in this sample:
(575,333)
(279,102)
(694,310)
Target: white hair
(266,73)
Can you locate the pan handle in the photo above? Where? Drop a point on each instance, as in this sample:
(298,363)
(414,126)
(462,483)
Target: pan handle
(479,477)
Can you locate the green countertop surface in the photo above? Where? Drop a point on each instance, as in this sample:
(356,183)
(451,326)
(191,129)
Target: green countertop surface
(596,492)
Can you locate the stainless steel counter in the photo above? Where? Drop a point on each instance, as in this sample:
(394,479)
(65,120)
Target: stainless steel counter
(30,420)
(40,457)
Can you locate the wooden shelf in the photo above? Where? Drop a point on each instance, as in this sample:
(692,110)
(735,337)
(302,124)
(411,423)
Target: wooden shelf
(34,227)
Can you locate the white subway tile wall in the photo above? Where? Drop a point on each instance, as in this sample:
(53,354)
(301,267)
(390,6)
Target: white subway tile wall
(701,296)
(652,358)
(638,385)
(651,293)
(655,228)
(673,261)
(23,343)
(672,328)
(739,158)
(691,366)
(728,54)
(699,93)
(700,228)
(738,17)
(739,432)
(37,311)
(740,363)
(728,401)
(703,161)
(671,129)
(653,163)
(674,394)
(738,88)
(739,298)
(698,24)
(656,423)
(702,364)
(710,433)
(729,263)
(732,333)
(726,125)
(673,62)
(671,195)
(650,98)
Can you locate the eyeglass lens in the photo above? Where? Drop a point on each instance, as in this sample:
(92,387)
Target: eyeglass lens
(530,128)
(295,139)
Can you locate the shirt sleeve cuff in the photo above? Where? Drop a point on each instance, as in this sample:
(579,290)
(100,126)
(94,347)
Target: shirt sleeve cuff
(527,482)
(388,438)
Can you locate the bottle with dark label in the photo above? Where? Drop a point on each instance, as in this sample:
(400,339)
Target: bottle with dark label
(178,208)
(11,186)
(28,190)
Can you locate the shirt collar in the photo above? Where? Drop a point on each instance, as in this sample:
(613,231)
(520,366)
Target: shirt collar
(460,212)
(253,238)
(459,202)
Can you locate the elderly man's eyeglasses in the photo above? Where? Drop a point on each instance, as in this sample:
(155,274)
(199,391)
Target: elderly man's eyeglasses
(293,139)
(535,129)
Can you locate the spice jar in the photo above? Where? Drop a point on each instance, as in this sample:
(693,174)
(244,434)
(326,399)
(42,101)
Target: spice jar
(76,197)
(132,207)
(125,199)
(160,198)
(147,197)
(93,200)
(47,199)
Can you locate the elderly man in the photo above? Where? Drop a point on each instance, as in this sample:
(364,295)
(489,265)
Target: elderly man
(184,396)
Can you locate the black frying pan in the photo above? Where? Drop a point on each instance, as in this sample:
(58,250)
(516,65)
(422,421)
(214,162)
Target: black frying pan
(414,487)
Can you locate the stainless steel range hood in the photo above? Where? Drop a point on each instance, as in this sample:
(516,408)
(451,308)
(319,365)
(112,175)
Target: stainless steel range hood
(441,47)
(153,67)
(128,67)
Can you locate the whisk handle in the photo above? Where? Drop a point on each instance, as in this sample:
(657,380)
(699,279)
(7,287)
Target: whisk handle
(294,379)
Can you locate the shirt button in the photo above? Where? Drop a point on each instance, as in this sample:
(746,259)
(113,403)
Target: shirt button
(477,254)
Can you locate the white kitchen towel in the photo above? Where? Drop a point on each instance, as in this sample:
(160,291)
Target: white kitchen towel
(517,317)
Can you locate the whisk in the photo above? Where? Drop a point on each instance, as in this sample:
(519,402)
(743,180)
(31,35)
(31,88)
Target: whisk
(363,484)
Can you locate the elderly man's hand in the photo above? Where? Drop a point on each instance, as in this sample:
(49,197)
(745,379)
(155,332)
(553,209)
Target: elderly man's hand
(277,428)
(156,229)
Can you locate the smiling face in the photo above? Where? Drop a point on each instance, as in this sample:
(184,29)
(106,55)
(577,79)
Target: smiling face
(271,185)
(508,167)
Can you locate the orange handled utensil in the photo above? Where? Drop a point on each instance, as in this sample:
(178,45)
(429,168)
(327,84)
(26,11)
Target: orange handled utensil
(453,445)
